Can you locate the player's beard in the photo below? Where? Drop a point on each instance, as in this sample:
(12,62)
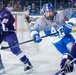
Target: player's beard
(50,17)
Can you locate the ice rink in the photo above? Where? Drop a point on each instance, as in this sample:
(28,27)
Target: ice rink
(43,56)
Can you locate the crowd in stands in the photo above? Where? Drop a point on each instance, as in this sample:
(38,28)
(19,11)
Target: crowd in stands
(17,6)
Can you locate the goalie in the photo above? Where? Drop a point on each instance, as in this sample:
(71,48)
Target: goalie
(64,42)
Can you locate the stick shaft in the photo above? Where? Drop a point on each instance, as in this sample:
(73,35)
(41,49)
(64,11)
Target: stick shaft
(3,48)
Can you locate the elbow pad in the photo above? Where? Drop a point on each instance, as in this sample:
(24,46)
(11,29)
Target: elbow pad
(67,29)
(72,20)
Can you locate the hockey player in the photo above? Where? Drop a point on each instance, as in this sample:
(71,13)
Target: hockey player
(63,41)
(7,33)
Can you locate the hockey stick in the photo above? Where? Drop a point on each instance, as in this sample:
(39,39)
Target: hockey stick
(3,47)
(57,73)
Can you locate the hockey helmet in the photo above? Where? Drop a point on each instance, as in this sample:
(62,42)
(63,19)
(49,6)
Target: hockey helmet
(47,7)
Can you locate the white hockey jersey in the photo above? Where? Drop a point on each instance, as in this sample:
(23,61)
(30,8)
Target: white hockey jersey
(52,26)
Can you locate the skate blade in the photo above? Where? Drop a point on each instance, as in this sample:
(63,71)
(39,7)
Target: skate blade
(2,71)
(29,71)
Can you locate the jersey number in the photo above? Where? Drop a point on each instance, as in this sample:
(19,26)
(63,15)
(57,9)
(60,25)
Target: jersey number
(60,30)
(5,20)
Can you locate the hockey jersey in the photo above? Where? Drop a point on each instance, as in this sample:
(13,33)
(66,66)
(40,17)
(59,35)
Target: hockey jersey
(7,19)
(53,26)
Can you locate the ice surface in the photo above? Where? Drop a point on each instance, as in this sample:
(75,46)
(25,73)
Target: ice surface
(43,56)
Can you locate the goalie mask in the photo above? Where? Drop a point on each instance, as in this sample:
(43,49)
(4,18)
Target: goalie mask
(48,11)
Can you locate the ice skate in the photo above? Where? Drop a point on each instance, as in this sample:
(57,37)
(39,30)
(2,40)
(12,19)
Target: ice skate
(28,68)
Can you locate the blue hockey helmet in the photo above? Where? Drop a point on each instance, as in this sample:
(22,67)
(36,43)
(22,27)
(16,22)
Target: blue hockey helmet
(47,7)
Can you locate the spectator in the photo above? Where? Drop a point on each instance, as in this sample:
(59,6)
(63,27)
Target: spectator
(9,7)
(26,9)
(18,3)
(19,8)
(33,10)
(28,6)
(41,11)
(61,7)
(12,2)
(15,7)
(38,11)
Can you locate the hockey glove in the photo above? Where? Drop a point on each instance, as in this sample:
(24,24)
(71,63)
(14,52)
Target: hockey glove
(36,36)
(28,19)
(66,58)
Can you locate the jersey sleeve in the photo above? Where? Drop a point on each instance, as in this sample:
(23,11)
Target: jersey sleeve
(37,26)
(8,20)
(9,17)
(65,14)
